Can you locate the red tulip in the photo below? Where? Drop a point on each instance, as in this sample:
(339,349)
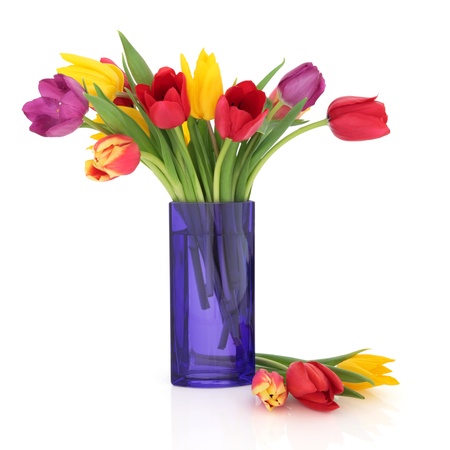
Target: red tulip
(114,155)
(314,385)
(357,118)
(166,100)
(239,112)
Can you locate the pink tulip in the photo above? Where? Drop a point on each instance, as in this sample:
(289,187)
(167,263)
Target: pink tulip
(114,155)
(270,388)
(357,118)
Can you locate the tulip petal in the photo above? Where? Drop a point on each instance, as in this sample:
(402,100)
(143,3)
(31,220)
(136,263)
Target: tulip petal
(166,115)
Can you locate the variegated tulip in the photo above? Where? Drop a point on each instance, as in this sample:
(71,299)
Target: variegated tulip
(372,367)
(270,388)
(114,155)
(205,87)
(108,77)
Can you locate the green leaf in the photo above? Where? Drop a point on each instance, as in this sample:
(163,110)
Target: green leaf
(100,127)
(262,84)
(118,121)
(127,71)
(338,359)
(139,69)
(272,137)
(351,393)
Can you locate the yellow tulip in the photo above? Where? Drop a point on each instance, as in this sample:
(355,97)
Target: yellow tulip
(205,87)
(108,77)
(370,366)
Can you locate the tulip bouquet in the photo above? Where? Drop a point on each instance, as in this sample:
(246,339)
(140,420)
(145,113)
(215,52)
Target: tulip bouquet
(164,121)
(206,145)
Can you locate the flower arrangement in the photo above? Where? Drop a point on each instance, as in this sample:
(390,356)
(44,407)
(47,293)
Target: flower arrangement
(164,120)
(206,144)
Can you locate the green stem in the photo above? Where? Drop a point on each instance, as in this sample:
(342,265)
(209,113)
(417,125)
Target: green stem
(213,138)
(189,165)
(274,110)
(278,145)
(158,168)
(198,148)
(266,362)
(217,169)
(242,161)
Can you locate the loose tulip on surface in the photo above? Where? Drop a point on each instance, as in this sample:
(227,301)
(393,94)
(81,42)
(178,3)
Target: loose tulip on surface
(317,383)
(314,385)
(372,367)
(270,388)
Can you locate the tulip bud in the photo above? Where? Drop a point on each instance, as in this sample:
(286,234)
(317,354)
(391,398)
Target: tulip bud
(305,81)
(205,87)
(270,388)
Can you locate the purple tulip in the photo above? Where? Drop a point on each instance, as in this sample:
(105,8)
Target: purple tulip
(61,108)
(305,81)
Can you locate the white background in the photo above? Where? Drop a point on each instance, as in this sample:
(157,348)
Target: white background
(352,239)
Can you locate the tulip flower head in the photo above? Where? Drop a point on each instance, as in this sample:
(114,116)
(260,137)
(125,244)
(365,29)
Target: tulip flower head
(305,81)
(357,118)
(61,108)
(205,87)
(372,367)
(239,113)
(166,100)
(270,388)
(114,155)
(89,72)
(314,385)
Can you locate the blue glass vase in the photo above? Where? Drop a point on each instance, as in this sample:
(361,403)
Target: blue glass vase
(212,310)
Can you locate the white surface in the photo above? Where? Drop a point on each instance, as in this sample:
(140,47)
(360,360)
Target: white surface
(352,238)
